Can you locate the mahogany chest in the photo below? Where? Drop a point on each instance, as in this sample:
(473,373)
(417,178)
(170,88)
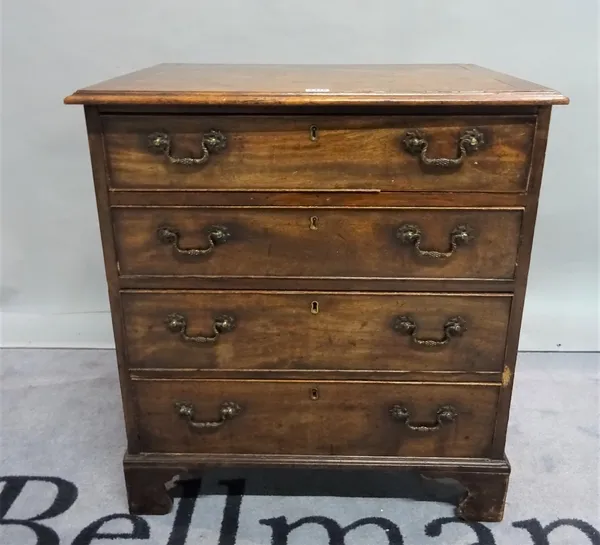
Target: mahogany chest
(318,266)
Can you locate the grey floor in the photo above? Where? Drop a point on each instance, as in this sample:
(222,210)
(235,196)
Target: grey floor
(62,431)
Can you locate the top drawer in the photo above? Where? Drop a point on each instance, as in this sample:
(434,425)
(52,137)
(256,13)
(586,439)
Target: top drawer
(312,153)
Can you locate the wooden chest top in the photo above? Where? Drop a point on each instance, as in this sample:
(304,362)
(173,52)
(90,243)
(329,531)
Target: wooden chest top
(217,84)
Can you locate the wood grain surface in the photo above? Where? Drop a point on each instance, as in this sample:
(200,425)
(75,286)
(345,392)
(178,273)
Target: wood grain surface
(280,330)
(218,84)
(347,418)
(346,243)
(360,153)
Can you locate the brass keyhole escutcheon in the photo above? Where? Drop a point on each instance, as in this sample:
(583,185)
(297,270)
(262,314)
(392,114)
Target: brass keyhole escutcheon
(314,307)
(314,223)
(314,394)
(313,132)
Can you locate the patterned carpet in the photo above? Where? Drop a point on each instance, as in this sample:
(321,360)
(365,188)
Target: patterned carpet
(62,443)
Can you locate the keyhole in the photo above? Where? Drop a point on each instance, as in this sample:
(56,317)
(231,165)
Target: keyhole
(314,221)
(314,133)
(314,307)
(314,394)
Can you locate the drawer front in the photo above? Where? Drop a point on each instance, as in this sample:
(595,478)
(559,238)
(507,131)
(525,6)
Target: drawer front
(229,330)
(487,154)
(357,243)
(330,418)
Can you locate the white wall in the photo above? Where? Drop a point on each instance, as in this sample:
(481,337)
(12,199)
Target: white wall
(53,289)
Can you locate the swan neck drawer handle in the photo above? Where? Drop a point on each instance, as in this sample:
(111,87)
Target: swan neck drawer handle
(415,142)
(227,411)
(212,141)
(454,327)
(411,235)
(216,234)
(177,323)
(445,415)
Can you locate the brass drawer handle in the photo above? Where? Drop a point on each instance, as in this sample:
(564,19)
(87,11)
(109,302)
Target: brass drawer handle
(445,415)
(177,323)
(227,411)
(212,141)
(217,234)
(454,327)
(469,141)
(411,234)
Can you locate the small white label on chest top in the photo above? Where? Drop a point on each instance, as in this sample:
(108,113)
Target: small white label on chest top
(316,90)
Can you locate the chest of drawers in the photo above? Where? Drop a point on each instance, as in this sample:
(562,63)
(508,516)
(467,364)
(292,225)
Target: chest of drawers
(319,266)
